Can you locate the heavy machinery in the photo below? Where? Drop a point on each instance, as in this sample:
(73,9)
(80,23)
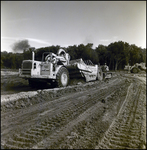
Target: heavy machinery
(136,67)
(58,69)
(106,74)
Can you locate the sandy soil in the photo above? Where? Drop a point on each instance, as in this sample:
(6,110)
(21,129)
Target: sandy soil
(85,116)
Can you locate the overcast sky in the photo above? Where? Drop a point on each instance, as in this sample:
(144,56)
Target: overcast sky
(68,23)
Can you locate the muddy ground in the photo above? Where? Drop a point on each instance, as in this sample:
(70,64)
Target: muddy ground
(94,115)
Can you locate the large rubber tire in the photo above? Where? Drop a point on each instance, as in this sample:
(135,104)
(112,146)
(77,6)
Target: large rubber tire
(100,74)
(62,77)
(134,70)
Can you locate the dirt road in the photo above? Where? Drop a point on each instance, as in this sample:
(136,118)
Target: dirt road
(92,115)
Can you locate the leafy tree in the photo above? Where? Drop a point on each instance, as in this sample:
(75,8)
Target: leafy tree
(73,52)
(8,60)
(116,54)
(135,54)
(91,53)
(19,59)
(88,51)
(27,54)
(127,49)
(13,61)
(2,63)
(3,59)
(80,51)
(102,53)
(116,50)
(143,53)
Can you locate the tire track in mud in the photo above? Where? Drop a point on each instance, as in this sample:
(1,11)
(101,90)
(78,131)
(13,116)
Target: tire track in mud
(44,105)
(87,127)
(128,130)
(16,113)
(51,122)
(49,126)
(82,112)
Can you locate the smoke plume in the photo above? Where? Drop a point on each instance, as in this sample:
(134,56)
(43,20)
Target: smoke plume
(20,45)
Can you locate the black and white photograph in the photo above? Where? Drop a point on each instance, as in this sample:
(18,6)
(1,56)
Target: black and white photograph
(73,74)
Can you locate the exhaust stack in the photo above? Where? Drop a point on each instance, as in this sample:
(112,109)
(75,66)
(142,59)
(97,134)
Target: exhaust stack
(33,56)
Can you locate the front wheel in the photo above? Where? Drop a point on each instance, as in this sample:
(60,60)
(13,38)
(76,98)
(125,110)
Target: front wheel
(62,77)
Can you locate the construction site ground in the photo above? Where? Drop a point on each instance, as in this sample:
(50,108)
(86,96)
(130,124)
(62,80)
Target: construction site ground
(95,115)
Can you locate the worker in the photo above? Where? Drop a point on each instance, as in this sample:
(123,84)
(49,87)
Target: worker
(106,68)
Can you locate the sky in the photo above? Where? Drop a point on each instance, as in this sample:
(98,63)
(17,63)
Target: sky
(68,23)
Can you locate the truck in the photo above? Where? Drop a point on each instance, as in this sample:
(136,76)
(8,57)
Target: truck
(136,68)
(58,69)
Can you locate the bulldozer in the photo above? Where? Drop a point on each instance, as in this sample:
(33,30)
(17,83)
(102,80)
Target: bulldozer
(136,68)
(58,69)
(106,74)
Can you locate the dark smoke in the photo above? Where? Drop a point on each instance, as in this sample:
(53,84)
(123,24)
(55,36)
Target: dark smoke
(20,46)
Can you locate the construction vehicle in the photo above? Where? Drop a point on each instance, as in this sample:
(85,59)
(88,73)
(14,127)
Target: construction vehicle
(136,68)
(106,74)
(58,69)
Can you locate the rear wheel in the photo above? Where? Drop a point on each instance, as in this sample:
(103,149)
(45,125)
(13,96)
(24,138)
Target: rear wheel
(100,74)
(62,77)
(135,70)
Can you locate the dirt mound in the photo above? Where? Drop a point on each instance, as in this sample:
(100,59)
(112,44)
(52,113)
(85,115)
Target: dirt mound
(34,96)
(25,99)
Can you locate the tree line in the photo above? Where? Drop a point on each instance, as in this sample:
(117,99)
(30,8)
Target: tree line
(116,55)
